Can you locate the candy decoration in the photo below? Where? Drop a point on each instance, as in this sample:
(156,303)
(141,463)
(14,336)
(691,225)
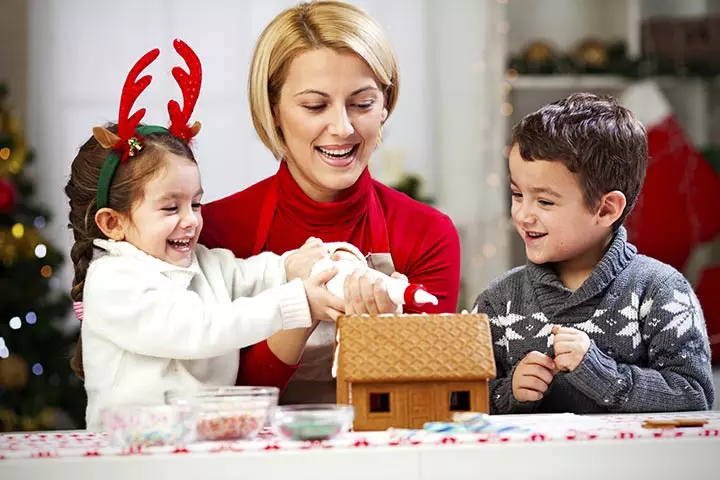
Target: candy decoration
(471,422)
(135,428)
(311,431)
(229,427)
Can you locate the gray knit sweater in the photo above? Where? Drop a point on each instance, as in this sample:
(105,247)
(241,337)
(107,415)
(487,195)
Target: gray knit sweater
(649,348)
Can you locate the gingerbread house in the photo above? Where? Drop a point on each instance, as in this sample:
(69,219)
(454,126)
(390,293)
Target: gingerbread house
(404,370)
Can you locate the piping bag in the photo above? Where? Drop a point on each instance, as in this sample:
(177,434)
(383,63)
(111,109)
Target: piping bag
(348,260)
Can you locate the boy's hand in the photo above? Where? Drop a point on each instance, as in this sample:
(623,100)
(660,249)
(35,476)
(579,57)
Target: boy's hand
(299,263)
(324,306)
(570,345)
(532,377)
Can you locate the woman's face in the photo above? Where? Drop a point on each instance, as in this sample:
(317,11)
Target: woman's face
(330,112)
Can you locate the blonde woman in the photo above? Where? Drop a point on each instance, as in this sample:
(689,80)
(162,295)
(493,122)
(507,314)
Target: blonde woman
(323,82)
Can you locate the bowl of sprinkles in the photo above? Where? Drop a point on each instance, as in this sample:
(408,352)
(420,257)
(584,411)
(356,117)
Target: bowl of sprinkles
(141,426)
(312,422)
(227,413)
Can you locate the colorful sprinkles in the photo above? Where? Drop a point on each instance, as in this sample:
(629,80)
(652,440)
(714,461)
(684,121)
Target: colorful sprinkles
(229,427)
(310,430)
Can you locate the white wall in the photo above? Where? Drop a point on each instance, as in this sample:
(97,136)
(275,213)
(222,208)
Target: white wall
(81,50)
(14,54)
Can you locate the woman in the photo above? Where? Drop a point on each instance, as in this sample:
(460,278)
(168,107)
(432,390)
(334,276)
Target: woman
(323,81)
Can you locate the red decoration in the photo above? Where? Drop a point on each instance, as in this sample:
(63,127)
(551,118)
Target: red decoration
(707,292)
(7,195)
(677,206)
(130,92)
(190,86)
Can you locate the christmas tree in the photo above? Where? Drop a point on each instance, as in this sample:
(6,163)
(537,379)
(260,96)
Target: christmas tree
(37,387)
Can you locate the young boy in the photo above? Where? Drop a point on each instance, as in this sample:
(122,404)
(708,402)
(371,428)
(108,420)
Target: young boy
(589,325)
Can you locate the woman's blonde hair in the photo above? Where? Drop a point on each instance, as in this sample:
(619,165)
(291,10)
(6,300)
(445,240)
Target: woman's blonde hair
(310,26)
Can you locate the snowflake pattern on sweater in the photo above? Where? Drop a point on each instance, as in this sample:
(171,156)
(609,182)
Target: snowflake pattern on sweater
(649,347)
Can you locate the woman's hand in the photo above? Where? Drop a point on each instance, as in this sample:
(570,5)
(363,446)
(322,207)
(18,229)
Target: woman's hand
(299,263)
(365,296)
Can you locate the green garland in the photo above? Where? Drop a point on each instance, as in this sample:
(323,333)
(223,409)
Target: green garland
(618,63)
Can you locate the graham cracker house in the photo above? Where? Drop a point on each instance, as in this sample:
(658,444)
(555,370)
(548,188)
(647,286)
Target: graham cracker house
(404,370)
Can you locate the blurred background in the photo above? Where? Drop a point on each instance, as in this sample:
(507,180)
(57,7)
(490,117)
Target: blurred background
(469,70)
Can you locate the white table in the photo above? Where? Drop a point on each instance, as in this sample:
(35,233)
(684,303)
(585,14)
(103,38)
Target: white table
(603,447)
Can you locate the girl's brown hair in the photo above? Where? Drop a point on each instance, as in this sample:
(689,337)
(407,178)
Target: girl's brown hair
(126,189)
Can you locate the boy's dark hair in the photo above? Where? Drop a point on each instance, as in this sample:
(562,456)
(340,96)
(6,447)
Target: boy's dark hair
(127,188)
(597,139)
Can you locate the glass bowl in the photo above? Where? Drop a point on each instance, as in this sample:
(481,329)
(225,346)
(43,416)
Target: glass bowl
(227,413)
(313,422)
(136,426)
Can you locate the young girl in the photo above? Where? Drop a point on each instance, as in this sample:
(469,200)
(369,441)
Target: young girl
(159,311)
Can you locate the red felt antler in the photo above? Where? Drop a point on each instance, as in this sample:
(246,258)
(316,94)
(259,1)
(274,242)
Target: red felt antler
(190,86)
(132,89)
(130,92)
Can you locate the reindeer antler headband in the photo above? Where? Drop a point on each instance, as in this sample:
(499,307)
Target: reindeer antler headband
(129,139)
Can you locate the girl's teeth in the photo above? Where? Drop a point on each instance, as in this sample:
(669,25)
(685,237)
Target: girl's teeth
(179,243)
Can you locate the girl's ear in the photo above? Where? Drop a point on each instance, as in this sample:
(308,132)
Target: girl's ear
(111,223)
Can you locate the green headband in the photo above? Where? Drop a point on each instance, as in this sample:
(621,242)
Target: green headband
(110,165)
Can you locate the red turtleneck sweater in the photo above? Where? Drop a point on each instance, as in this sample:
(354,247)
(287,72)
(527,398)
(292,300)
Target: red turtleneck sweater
(423,243)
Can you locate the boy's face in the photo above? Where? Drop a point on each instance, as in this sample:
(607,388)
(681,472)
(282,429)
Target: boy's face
(550,213)
(167,222)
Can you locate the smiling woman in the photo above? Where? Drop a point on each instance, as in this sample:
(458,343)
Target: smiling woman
(323,82)
(330,113)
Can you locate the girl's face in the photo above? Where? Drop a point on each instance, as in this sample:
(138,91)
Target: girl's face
(167,222)
(330,112)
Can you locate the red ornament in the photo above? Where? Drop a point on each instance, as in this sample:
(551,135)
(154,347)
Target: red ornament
(677,208)
(7,196)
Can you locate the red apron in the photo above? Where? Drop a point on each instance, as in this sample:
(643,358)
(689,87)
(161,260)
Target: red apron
(378,258)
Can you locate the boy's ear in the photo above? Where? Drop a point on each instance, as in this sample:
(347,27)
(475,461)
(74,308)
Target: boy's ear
(612,206)
(110,223)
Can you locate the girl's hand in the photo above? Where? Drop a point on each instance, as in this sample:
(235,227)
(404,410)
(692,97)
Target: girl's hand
(299,263)
(324,306)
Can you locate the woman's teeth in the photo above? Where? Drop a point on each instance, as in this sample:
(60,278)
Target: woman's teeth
(345,152)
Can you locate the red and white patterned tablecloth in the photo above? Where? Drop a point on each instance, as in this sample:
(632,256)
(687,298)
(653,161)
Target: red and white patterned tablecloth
(535,428)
